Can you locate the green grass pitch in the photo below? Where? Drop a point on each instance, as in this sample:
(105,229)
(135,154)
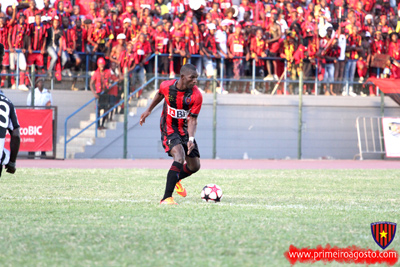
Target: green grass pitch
(76,217)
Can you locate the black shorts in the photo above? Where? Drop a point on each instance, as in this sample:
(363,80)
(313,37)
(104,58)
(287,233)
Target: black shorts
(270,54)
(169,141)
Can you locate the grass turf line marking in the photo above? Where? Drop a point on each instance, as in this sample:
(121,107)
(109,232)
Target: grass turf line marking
(269,207)
(77,199)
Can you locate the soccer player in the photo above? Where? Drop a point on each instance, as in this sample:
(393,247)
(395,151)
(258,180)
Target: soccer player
(178,127)
(9,120)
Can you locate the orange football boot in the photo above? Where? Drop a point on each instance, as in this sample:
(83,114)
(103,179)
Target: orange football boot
(180,189)
(168,201)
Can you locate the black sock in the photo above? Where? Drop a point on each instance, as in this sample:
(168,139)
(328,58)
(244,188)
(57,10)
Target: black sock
(172,179)
(186,172)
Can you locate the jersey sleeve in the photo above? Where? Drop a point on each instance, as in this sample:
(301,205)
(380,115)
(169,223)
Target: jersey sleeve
(163,89)
(13,123)
(94,76)
(196,107)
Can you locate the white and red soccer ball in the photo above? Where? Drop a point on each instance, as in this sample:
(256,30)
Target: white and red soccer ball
(211,193)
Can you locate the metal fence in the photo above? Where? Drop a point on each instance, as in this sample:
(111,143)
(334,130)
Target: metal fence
(370,136)
(251,82)
(124,101)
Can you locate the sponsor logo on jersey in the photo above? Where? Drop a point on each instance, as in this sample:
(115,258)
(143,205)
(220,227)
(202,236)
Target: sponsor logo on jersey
(177,113)
(187,100)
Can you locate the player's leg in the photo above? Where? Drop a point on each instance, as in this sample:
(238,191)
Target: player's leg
(191,166)
(13,58)
(178,154)
(5,159)
(22,67)
(6,63)
(53,60)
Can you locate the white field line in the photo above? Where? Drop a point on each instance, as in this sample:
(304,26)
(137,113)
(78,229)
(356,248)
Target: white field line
(76,199)
(229,204)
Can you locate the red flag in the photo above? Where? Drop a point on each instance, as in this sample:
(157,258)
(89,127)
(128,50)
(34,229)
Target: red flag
(391,87)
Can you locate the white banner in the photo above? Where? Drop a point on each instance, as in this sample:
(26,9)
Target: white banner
(391,135)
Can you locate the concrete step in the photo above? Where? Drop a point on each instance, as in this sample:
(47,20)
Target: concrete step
(111,125)
(83,141)
(71,151)
(60,154)
(119,117)
(93,117)
(74,149)
(88,133)
(83,124)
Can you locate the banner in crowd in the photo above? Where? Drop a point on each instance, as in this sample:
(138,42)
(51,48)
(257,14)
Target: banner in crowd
(391,87)
(391,135)
(83,6)
(36,130)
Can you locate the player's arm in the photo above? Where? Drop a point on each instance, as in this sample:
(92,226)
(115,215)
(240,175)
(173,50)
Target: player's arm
(192,121)
(192,127)
(14,14)
(73,48)
(113,54)
(9,40)
(14,147)
(1,53)
(91,85)
(29,45)
(156,100)
(43,48)
(207,51)
(15,139)
(220,50)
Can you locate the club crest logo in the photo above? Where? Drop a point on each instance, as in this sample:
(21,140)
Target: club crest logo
(188,99)
(383,233)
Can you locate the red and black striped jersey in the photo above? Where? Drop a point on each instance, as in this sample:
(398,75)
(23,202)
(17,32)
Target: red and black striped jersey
(69,36)
(210,43)
(95,35)
(38,35)
(4,35)
(126,59)
(161,41)
(81,37)
(18,33)
(30,15)
(141,50)
(178,106)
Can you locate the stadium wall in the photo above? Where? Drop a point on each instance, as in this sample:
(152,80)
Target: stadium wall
(66,101)
(258,127)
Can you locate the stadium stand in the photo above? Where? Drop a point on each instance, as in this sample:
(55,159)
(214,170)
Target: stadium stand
(337,44)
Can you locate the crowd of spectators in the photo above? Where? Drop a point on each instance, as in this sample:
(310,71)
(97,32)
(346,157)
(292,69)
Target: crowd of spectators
(329,40)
